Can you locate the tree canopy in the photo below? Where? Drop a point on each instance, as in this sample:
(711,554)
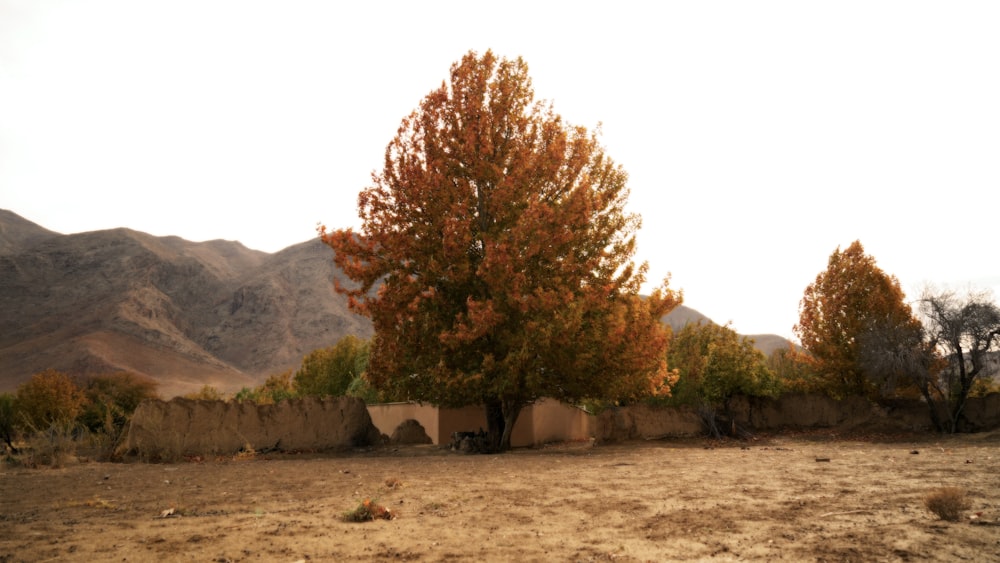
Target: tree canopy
(498,241)
(845,302)
(330,371)
(716,364)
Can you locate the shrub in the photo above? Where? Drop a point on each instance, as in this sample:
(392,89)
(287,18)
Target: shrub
(330,371)
(367,511)
(53,446)
(49,398)
(206,393)
(947,503)
(112,398)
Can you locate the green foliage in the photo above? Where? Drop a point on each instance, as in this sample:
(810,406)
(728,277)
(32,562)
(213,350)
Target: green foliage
(112,398)
(715,364)
(362,389)
(367,511)
(278,387)
(50,398)
(330,371)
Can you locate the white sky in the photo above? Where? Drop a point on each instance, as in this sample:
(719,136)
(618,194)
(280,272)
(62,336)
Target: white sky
(759,136)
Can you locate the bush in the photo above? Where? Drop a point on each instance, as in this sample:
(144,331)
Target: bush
(54,446)
(947,503)
(206,393)
(330,371)
(367,511)
(49,398)
(112,398)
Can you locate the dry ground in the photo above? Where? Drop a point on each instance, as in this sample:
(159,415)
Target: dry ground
(660,501)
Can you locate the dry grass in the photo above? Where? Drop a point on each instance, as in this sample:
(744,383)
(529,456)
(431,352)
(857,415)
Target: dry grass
(947,503)
(671,500)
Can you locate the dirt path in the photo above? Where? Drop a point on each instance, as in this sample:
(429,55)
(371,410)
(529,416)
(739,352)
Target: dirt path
(651,501)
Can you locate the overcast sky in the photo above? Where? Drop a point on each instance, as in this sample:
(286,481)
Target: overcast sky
(758,136)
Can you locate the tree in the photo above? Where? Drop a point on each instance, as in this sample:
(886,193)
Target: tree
(49,398)
(498,238)
(844,302)
(330,371)
(112,398)
(899,354)
(966,332)
(716,364)
(794,370)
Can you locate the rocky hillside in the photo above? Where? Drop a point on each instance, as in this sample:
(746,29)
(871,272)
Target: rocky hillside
(184,313)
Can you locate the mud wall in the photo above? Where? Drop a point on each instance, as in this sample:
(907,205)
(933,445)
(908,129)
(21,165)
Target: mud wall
(644,422)
(550,421)
(181,427)
(388,416)
(793,412)
(546,421)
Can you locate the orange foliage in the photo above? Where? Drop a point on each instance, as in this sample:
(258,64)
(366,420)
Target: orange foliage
(852,296)
(49,398)
(502,252)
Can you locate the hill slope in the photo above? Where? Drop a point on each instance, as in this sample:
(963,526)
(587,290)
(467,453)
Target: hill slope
(184,313)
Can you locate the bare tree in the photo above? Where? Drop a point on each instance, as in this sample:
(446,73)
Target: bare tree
(965,331)
(899,354)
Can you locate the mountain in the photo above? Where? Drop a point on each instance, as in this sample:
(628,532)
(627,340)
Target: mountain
(184,313)
(17,232)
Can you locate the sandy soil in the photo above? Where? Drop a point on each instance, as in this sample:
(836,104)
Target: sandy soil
(660,501)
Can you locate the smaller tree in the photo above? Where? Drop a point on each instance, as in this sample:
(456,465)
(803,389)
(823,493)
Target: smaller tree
(898,354)
(716,364)
(841,305)
(50,398)
(966,332)
(330,371)
(112,398)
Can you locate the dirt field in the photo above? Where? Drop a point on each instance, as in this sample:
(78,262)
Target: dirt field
(650,501)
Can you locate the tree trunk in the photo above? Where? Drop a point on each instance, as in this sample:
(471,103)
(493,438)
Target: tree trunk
(494,424)
(500,419)
(933,407)
(511,411)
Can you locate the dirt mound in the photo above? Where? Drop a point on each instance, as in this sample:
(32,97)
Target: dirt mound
(185,427)
(410,432)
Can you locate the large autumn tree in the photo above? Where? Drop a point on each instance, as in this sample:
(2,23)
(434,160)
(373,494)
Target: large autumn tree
(495,257)
(838,311)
